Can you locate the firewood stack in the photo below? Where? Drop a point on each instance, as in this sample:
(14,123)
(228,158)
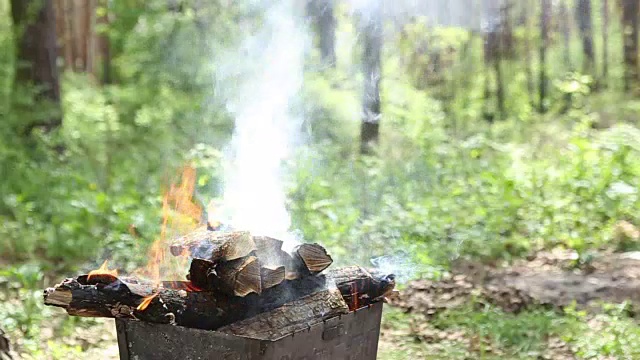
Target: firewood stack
(237,283)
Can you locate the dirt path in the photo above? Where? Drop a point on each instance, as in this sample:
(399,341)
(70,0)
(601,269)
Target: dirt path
(549,278)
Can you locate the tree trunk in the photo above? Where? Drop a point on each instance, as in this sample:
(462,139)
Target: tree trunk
(605,43)
(82,46)
(630,10)
(372,69)
(37,54)
(322,15)
(566,34)
(585,25)
(545,17)
(528,61)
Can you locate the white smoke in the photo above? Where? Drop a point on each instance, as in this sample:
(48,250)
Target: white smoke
(264,76)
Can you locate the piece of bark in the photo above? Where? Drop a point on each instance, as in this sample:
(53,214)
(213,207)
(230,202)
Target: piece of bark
(271,275)
(291,317)
(239,277)
(215,246)
(361,287)
(108,296)
(310,259)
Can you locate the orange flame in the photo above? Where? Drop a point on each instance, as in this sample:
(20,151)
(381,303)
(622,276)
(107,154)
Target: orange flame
(180,214)
(146,301)
(102,270)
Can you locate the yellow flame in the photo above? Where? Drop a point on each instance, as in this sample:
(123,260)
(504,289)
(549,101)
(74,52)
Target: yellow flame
(146,301)
(102,270)
(180,214)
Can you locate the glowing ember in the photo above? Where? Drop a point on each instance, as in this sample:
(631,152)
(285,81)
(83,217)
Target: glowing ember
(354,297)
(103,270)
(146,301)
(191,287)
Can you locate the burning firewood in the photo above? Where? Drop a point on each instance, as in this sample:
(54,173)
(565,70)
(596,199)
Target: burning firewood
(214,245)
(239,277)
(272,275)
(361,287)
(172,302)
(201,273)
(180,303)
(311,259)
(289,318)
(270,253)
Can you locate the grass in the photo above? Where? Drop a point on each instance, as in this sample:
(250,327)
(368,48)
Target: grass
(472,332)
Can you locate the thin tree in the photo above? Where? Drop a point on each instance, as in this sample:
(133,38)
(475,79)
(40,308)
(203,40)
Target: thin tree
(35,32)
(321,13)
(527,9)
(372,69)
(630,10)
(585,25)
(565,28)
(605,42)
(104,44)
(545,17)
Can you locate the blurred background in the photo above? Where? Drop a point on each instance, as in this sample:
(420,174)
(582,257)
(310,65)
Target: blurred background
(426,135)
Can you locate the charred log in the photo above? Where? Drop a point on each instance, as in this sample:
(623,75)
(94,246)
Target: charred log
(295,316)
(172,303)
(178,303)
(201,273)
(360,287)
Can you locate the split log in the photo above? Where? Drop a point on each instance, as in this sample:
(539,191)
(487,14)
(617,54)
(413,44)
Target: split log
(214,245)
(291,317)
(272,276)
(270,253)
(310,259)
(360,287)
(239,277)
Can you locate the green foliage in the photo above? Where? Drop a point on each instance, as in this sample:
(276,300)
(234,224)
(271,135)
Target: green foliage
(609,334)
(444,183)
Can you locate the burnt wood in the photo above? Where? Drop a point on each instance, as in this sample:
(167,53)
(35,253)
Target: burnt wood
(291,317)
(361,287)
(201,273)
(177,303)
(108,296)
